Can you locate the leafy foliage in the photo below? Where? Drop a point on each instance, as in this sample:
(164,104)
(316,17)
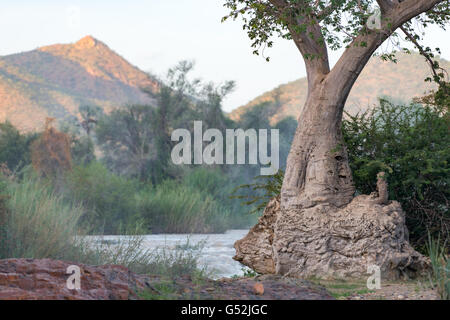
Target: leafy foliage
(108,200)
(14,147)
(340,22)
(411,143)
(262,192)
(126,139)
(50,153)
(175,208)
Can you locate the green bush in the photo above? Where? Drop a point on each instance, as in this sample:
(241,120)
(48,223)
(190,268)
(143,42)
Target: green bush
(198,202)
(220,186)
(108,199)
(14,146)
(411,143)
(172,207)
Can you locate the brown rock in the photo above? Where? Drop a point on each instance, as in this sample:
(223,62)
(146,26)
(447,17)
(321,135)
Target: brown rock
(46,279)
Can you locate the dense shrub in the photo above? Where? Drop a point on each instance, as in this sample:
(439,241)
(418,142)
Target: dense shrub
(412,144)
(112,204)
(176,208)
(14,146)
(220,184)
(108,199)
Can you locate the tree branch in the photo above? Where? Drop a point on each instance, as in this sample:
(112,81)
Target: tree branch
(358,53)
(385,5)
(310,43)
(422,52)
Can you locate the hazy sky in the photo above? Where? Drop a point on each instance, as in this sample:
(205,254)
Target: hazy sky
(156,34)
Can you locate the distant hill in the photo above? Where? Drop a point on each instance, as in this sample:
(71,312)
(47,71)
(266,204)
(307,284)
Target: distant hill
(53,81)
(401,82)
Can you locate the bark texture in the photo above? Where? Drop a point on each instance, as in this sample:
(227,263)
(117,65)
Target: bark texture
(331,242)
(255,250)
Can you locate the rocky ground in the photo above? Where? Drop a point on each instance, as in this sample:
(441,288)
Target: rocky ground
(256,288)
(27,279)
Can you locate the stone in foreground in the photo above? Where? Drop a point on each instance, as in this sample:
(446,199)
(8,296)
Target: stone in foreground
(46,279)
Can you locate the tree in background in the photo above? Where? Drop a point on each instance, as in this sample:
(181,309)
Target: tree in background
(136,140)
(80,131)
(318,186)
(50,153)
(210,105)
(14,146)
(126,139)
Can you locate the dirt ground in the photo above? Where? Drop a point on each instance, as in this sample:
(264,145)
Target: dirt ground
(271,287)
(390,290)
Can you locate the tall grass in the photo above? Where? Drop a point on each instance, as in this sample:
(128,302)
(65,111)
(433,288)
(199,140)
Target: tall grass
(440,263)
(175,208)
(37,223)
(129,251)
(220,186)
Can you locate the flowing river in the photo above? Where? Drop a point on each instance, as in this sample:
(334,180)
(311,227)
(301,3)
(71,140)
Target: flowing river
(216,253)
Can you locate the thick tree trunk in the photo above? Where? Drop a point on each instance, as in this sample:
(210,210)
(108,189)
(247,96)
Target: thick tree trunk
(318,228)
(317,169)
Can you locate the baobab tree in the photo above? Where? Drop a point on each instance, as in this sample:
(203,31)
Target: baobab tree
(319,227)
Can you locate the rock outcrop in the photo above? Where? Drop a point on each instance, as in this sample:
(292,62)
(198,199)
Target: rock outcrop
(45,279)
(333,242)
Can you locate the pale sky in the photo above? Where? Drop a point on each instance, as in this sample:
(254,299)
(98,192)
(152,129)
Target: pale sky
(155,34)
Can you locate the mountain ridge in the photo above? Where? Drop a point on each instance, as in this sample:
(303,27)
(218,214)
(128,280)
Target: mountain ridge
(54,80)
(399,81)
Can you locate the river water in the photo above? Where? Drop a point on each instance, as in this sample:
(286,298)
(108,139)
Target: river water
(216,253)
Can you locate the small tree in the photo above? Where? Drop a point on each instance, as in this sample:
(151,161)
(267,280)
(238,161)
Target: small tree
(126,139)
(50,153)
(14,146)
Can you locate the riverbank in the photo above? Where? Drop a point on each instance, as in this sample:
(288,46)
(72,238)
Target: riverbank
(46,279)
